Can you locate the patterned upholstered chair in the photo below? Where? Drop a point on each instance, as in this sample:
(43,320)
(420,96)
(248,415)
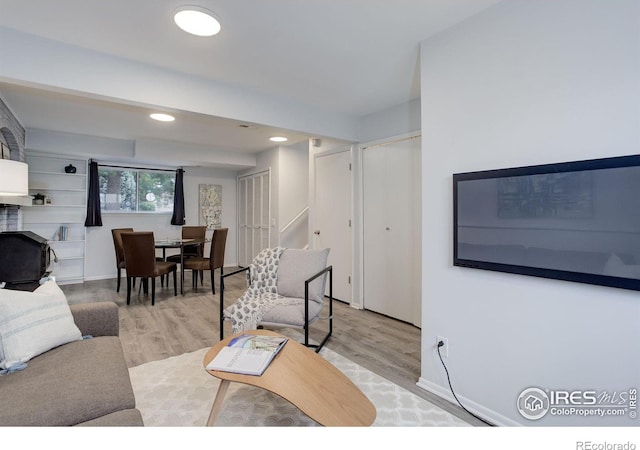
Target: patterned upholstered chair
(286,289)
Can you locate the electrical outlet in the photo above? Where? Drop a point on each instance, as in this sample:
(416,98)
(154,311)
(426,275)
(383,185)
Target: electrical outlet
(444,350)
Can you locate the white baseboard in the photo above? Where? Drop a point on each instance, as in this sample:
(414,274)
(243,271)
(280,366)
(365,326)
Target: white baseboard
(479,410)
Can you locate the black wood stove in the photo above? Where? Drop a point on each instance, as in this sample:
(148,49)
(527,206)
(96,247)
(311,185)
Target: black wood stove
(24,259)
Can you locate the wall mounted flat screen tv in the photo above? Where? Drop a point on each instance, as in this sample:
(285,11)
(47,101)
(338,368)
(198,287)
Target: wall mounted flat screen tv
(576,221)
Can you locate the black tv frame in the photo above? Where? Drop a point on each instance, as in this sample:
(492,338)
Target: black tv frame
(584,165)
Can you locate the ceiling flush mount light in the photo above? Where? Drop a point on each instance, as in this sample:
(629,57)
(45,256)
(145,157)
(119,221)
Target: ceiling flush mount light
(197,20)
(278,139)
(162,117)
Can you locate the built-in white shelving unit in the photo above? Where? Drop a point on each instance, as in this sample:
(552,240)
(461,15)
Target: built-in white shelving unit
(68,195)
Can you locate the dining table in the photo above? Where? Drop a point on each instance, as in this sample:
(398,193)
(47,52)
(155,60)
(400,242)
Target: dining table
(180,244)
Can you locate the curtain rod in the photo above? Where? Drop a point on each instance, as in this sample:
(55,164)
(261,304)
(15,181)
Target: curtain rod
(135,168)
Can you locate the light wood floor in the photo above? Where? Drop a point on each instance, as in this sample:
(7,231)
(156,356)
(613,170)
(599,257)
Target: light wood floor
(185,323)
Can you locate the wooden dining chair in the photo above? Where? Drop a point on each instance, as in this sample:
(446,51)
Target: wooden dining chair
(213,262)
(192,251)
(117,243)
(140,262)
(191,232)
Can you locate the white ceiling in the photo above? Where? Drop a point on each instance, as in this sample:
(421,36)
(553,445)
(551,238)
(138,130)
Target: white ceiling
(352,57)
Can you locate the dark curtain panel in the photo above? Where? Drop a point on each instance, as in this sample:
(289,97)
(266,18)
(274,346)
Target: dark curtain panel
(94,217)
(178,200)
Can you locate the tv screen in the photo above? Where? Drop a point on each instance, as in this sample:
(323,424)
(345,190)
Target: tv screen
(576,221)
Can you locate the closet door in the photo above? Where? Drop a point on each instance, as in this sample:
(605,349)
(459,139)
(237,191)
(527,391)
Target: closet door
(254,213)
(391,230)
(262,212)
(374,228)
(242,221)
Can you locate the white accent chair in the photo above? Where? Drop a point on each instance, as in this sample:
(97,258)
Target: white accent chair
(301,278)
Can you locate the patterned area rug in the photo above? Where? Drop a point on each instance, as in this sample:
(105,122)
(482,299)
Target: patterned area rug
(177,392)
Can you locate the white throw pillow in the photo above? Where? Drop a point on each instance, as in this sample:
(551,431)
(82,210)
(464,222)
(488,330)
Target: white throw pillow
(32,323)
(297,265)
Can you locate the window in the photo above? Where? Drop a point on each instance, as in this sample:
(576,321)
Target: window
(136,190)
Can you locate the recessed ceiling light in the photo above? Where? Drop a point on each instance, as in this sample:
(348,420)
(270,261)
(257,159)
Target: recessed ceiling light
(196,20)
(162,117)
(278,139)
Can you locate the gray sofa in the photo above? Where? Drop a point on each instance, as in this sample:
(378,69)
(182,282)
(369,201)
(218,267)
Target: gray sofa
(80,383)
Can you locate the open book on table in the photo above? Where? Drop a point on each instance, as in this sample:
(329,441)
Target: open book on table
(248,354)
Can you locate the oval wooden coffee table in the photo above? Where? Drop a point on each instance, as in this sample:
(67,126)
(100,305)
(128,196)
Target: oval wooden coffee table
(305,379)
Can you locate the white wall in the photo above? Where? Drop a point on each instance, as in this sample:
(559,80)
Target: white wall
(395,121)
(51,64)
(100,254)
(193,178)
(526,83)
(293,193)
(139,151)
(289,190)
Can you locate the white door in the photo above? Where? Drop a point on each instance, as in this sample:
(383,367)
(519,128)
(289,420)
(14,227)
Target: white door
(262,212)
(333,217)
(254,206)
(242,221)
(391,224)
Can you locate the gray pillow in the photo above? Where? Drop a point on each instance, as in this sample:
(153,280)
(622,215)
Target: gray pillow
(298,265)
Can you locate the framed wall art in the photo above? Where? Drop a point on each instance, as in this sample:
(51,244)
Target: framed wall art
(210,205)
